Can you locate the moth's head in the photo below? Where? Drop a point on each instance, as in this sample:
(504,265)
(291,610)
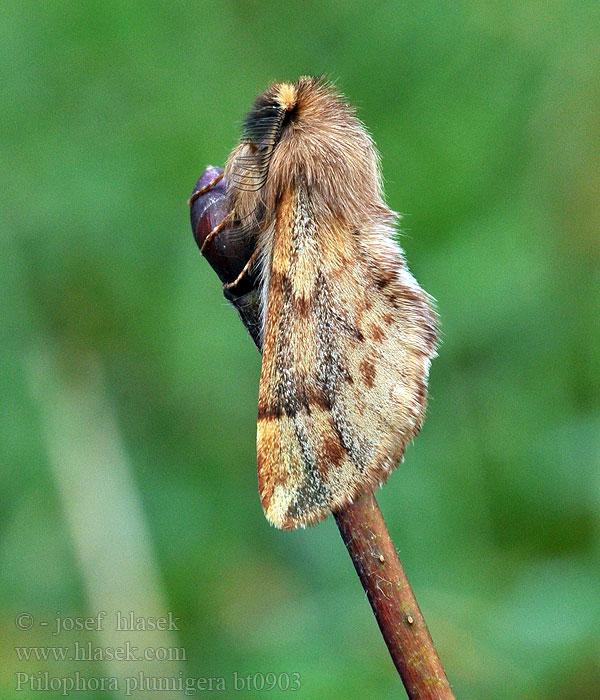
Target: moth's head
(305,134)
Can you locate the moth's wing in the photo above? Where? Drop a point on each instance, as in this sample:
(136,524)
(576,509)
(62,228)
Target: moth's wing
(347,344)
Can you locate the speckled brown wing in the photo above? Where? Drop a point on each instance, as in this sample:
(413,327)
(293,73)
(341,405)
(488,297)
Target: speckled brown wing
(348,339)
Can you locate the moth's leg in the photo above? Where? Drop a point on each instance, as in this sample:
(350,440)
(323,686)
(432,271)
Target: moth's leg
(217,229)
(244,271)
(206,188)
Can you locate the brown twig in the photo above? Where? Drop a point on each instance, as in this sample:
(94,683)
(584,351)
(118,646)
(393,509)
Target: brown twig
(394,604)
(361,525)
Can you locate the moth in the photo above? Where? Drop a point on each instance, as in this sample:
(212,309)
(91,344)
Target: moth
(347,333)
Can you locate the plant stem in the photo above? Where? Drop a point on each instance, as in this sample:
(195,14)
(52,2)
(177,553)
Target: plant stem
(361,525)
(400,620)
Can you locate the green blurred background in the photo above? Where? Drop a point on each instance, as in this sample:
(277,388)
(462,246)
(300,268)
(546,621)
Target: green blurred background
(129,387)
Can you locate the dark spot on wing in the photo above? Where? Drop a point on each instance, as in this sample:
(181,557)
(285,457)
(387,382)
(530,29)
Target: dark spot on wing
(367,371)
